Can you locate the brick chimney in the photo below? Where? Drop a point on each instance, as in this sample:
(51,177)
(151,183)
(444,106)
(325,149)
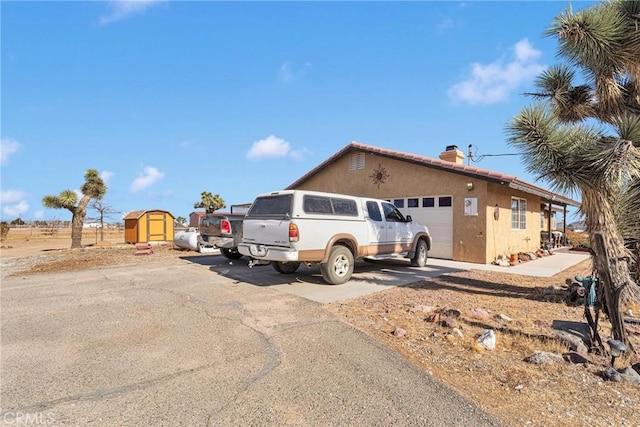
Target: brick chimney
(452,154)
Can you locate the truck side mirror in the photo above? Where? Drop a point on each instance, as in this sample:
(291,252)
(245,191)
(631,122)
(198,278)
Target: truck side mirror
(409,218)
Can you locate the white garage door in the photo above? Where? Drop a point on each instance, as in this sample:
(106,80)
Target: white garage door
(436,212)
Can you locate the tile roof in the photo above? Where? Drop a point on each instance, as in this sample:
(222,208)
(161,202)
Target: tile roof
(462,169)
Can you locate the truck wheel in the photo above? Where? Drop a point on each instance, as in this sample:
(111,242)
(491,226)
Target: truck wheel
(420,257)
(231,253)
(285,267)
(339,267)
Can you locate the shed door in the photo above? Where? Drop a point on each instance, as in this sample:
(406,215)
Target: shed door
(436,212)
(157,228)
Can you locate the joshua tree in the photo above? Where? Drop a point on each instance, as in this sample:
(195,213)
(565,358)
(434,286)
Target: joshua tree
(210,202)
(93,188)
(181,221)
(584,137)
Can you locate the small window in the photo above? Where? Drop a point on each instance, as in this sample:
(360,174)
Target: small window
(444,201)
(315,204)
(392,214)
(518,214)
(271,206)
(412,203)
(356,161)
(346,207)
(428,202)
(374,211)
(398,203)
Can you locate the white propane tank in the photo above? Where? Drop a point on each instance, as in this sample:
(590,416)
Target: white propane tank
(187,239)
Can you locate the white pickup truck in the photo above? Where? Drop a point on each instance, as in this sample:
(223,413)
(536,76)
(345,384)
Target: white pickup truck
(290,227)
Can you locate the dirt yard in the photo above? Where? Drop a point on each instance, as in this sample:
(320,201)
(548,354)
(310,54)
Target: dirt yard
(435,324)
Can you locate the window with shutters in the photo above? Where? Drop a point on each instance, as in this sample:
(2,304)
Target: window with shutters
(356,161)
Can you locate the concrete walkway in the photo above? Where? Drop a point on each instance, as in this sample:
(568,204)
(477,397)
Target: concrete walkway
(542,267)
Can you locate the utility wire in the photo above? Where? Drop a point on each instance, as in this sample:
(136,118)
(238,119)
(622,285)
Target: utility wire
(477,158)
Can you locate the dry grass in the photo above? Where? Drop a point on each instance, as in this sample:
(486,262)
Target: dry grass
(500,381)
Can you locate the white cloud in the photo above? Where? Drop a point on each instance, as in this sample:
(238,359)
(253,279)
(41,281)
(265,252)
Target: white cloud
(15,210)
(123,9)
(11,196)
(493,83)
(106,176)
(146,178)
(288,72)
(271,146)
(38,215)
(7,148)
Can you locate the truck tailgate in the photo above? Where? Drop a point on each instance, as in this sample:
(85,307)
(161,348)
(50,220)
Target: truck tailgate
(272,232)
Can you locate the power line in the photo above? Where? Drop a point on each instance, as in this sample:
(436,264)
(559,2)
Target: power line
(477,158)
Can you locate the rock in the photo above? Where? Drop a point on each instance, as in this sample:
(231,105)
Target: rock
(431,318)
(450,312)
(479,313)
(457,332)
(573,341)
(448,322)
(399,332)
(504,317)
(543,358)
(502,262)
(576,358)
(612,375)
(421,309)
(630,375)
(524,257)
(487,339)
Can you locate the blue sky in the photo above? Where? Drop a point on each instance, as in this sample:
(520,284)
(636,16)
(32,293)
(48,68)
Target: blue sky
(167,99)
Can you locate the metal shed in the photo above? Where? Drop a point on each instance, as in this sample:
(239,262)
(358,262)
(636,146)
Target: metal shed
(148,226)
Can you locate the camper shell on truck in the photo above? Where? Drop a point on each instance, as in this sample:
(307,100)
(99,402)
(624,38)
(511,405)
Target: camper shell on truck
(290,227)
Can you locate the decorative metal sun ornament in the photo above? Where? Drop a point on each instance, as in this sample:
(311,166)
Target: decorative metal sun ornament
(379,175)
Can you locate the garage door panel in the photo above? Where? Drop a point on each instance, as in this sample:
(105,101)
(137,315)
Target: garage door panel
(440,223)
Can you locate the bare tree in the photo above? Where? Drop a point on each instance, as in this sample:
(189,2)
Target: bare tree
(105,211)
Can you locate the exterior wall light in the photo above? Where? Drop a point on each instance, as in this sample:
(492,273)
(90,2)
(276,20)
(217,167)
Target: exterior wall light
(469,186)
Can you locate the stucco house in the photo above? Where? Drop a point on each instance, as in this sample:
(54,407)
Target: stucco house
(473,214)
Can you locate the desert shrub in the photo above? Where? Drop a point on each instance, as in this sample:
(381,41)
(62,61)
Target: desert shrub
(4,230)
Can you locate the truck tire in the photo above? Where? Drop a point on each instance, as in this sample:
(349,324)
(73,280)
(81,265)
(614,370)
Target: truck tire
(339,267)
(421,255)
(285,267)
(231,253)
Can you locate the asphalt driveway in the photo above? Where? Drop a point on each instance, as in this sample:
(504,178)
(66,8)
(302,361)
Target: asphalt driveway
(182,343)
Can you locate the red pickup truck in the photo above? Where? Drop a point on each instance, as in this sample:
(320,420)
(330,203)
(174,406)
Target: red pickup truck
(223,230)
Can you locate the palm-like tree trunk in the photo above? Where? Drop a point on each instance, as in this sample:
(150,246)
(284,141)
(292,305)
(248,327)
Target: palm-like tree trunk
(77,222)
(617,285)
